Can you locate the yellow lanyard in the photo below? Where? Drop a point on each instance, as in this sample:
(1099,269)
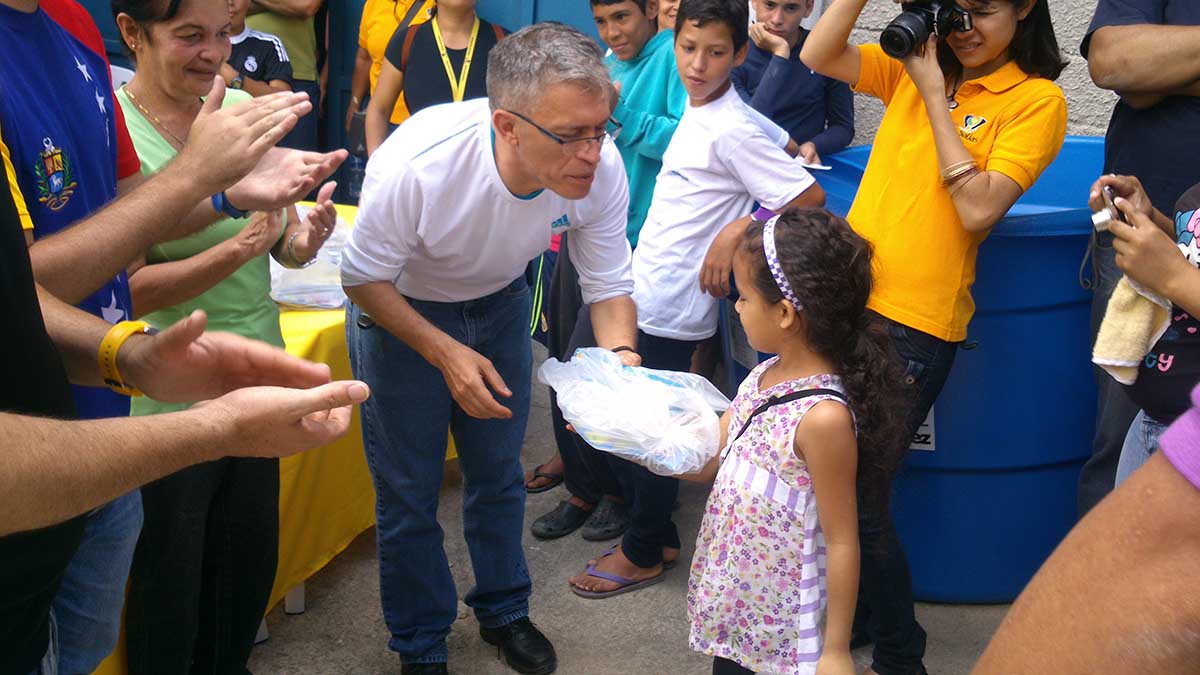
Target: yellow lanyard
(458,85)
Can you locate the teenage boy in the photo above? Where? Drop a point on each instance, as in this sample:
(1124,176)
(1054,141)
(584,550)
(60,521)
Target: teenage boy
(258,62)
(719,162)
(816,111)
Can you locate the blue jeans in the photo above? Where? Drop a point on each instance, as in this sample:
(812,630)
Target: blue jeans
(87,608)
(885,597)
(1140,442)
(49,664)
(404,433)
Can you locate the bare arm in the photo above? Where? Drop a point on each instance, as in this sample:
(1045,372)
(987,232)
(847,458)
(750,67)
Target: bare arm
(827,49)
(981,200)
(1146,59)
(379,110)
(472,379)
(825,440)
(1138,548)
(615,323)
(709,473)
(360,82)
(298,9)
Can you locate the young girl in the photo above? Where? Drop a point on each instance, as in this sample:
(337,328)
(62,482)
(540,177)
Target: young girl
(775,578)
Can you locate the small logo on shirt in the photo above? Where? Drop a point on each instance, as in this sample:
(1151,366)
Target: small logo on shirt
(55,182)
(251,64)
(562,223)
(972,123)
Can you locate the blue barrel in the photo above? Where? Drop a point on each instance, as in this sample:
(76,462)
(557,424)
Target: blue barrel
(981,507)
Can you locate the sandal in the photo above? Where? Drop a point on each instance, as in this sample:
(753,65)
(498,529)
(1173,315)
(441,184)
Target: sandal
(666,564)
(563,520)
(555,479)
(626,585)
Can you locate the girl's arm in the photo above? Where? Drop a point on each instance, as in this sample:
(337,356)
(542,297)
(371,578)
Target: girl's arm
(379,111)
(825,440)
(981,199)
(709,472)
(160,285)
(827,48)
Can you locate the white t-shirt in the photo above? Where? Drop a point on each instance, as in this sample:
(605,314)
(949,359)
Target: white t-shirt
(719,162)
(437,221)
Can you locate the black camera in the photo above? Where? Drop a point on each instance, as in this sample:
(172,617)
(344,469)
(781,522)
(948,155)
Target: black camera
(918,20)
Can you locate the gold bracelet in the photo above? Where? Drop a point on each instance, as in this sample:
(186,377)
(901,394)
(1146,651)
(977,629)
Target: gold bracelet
(957,165)
(107,356)
(957,171)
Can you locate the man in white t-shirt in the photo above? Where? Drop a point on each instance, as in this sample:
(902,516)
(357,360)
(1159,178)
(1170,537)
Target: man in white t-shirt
(454,205)
(718,163)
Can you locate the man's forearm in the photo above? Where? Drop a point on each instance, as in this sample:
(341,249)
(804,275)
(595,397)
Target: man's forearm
(72,266)
(52,470)
(615,322)
(390,311)
(1145,58)
(77,336)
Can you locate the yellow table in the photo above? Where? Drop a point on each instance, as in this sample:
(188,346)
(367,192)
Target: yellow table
(326,497)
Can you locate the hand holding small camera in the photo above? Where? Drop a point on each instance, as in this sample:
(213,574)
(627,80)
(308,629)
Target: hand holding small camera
(1144,252)
(1128,188)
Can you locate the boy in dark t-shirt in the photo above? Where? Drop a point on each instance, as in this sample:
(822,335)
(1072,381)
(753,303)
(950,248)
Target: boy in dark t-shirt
(258,62)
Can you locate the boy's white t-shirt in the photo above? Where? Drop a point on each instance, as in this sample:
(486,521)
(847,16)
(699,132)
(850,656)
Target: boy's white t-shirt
(719,162)
(437,221)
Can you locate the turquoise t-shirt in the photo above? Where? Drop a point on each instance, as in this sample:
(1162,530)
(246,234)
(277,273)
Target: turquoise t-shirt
(241,302)
(652,101)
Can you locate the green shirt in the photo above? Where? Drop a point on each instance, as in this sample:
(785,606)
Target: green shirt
(299,39)
(240,303)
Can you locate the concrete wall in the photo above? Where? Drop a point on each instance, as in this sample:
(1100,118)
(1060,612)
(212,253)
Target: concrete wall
(1088,106)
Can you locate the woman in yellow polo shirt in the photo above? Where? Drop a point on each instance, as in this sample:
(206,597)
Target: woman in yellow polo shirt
(972,119)
(380,20)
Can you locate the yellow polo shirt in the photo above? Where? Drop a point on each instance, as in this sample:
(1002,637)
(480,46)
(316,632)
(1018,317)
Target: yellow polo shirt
(380,19)
(1011,122)
(10,174)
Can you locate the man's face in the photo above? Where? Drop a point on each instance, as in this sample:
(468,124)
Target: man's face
(704,56)
(624,27)
(570,112)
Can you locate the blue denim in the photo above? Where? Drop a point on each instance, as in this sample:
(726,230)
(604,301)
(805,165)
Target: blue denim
(885,603)
(1140,442)
(88,605)
(404,433)
(49,664)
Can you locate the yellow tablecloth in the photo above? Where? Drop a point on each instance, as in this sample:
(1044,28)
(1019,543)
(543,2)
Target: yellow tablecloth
(326,497)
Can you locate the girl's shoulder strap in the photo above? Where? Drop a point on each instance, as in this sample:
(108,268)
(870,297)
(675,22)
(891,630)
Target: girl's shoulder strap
(787,398)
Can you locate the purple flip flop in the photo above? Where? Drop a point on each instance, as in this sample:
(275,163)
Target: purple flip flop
(627,585)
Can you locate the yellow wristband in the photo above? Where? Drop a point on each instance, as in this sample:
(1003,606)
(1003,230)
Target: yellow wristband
(110,345)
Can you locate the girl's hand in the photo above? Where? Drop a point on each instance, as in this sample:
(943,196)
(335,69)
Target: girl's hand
(260,234)
(925,72)
(1145,253)
(1128,188)
(836,662)
(318,224)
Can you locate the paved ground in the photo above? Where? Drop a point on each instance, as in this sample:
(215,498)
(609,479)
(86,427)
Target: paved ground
(642,633)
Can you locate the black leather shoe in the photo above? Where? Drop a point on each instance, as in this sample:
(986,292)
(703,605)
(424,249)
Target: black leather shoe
(525,649)
(563,520)
(424,669)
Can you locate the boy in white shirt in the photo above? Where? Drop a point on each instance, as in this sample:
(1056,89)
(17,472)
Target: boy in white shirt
(719,162)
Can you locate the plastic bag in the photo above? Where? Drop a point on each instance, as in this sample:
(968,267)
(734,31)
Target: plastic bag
(664,420)
(318,286)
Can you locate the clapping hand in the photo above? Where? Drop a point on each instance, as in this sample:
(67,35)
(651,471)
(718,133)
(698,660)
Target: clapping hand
(316,228)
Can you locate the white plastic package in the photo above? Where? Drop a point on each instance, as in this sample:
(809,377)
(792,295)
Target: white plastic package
(664,420)
(318,286)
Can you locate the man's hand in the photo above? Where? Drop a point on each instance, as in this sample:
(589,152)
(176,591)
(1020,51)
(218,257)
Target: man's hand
(224,144)
(1145,253)
(472,379)
(185,364)
(628,358)
(808,153)
(283,177)
(276,421)
(768,41)
(718,263)
(1128,188)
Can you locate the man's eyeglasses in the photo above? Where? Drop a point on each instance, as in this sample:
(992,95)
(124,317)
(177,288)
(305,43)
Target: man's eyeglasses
(572,146)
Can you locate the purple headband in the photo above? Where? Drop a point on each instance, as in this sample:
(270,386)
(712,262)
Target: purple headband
(773,264)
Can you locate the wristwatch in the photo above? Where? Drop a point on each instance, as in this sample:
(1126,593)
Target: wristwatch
(238,82)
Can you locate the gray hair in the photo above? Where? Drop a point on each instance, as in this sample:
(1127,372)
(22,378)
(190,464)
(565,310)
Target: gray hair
(523,65)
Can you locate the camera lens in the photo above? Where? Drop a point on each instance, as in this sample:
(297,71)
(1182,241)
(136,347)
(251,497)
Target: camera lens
(904,34)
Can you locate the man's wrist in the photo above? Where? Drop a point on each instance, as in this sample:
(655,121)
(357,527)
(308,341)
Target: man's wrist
(178,182)
(129,359)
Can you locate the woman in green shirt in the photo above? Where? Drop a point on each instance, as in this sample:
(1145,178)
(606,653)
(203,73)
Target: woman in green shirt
(206,559)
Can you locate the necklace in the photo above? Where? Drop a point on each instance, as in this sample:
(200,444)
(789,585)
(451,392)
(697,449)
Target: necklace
(950,102)
(152,117)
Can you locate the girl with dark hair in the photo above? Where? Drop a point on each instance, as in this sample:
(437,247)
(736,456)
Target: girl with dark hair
(973,118)
(775,575)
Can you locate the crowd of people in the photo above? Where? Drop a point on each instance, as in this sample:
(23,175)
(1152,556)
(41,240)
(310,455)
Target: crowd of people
(140,467)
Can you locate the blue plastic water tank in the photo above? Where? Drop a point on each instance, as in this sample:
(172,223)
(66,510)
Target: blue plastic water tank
(981,511)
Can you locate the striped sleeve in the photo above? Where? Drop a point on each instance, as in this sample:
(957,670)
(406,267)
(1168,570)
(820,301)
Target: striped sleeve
(10,174)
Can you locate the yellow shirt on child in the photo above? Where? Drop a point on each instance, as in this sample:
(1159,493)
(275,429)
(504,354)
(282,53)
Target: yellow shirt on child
(1009,121)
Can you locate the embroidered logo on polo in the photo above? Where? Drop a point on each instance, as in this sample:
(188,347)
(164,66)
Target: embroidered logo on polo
(55,181)
(251,64)
(972,123)
(562,223)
